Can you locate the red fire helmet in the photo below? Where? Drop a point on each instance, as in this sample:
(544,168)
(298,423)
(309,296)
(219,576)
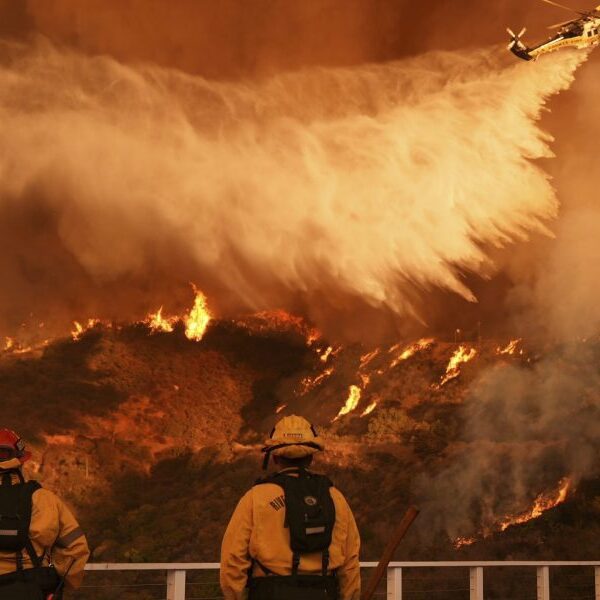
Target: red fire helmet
(11,447)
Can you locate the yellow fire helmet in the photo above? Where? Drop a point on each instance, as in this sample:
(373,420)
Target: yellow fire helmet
(292,437)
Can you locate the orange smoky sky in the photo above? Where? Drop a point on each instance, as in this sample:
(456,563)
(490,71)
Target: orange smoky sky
(232,38)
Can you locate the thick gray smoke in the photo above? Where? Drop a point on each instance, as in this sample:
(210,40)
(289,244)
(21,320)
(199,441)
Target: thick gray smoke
(122,184)
(526,430)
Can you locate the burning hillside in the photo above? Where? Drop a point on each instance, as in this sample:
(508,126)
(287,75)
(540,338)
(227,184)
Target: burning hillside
(137,398)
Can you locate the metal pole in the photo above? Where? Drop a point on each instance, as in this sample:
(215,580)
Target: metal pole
(176,585)
(394,583)
(476,583)
(543,583)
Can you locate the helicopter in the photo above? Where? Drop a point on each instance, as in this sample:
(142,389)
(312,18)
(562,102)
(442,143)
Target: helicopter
(583,32)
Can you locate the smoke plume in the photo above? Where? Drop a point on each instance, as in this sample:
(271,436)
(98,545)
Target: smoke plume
(372,182)
(525,430)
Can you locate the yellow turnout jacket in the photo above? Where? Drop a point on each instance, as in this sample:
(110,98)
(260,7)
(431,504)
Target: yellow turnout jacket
(257,531)
(56,535)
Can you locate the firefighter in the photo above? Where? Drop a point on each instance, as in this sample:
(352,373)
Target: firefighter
(293,535)
(42,547)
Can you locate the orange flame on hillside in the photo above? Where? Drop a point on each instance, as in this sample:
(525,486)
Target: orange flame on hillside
(369,409)
(198,318)
(365,359)
(410,350)
(309,383)
(542,503)
(325,356)
(195,322)
(462,355)
(352,401)
(8,343)
(156,322)
(510,349)
(81,329)
(464,541)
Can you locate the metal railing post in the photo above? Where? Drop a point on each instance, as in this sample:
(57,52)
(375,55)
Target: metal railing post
(597,578)
(176,585)
(476,588)
(543,583)
(394,583)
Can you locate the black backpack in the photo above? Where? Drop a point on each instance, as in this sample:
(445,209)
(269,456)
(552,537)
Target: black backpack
(15,519)
(309,513)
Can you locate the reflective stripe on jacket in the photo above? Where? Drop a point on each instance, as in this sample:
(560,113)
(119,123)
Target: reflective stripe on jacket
(54,533)
(257,530)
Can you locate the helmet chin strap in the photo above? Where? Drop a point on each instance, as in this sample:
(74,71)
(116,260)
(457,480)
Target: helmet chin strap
(265,464)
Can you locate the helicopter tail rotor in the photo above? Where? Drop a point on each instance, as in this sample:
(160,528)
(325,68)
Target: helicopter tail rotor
(516,46)
(516,38)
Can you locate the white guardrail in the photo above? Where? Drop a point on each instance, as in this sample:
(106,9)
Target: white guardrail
(177,572)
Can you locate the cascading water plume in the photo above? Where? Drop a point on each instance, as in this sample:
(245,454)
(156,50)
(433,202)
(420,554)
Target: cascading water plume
(367,182)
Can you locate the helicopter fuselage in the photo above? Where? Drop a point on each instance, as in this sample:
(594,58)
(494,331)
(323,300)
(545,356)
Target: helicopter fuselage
(584,33)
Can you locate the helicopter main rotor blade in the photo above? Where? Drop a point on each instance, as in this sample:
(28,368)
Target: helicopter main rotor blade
(559,25)
(579,12)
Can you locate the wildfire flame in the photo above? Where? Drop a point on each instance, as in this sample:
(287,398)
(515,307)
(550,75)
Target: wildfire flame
(462,355)
(365,359)
(369,409)
(8,344)
(464,541)
(410,350)
(352,401)
(325,356)
(195,322)
(542,503)
(156,322)
(80,329)
(309,383)
(198,318)
(510,349)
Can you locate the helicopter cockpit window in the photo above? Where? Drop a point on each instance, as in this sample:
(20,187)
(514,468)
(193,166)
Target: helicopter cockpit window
(573,30)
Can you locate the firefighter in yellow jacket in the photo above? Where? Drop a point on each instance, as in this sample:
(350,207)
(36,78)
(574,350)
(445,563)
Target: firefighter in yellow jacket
(42,547)
(293,535)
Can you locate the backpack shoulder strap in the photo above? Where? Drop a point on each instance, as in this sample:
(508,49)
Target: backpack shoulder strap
(27,498)
(274,478)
